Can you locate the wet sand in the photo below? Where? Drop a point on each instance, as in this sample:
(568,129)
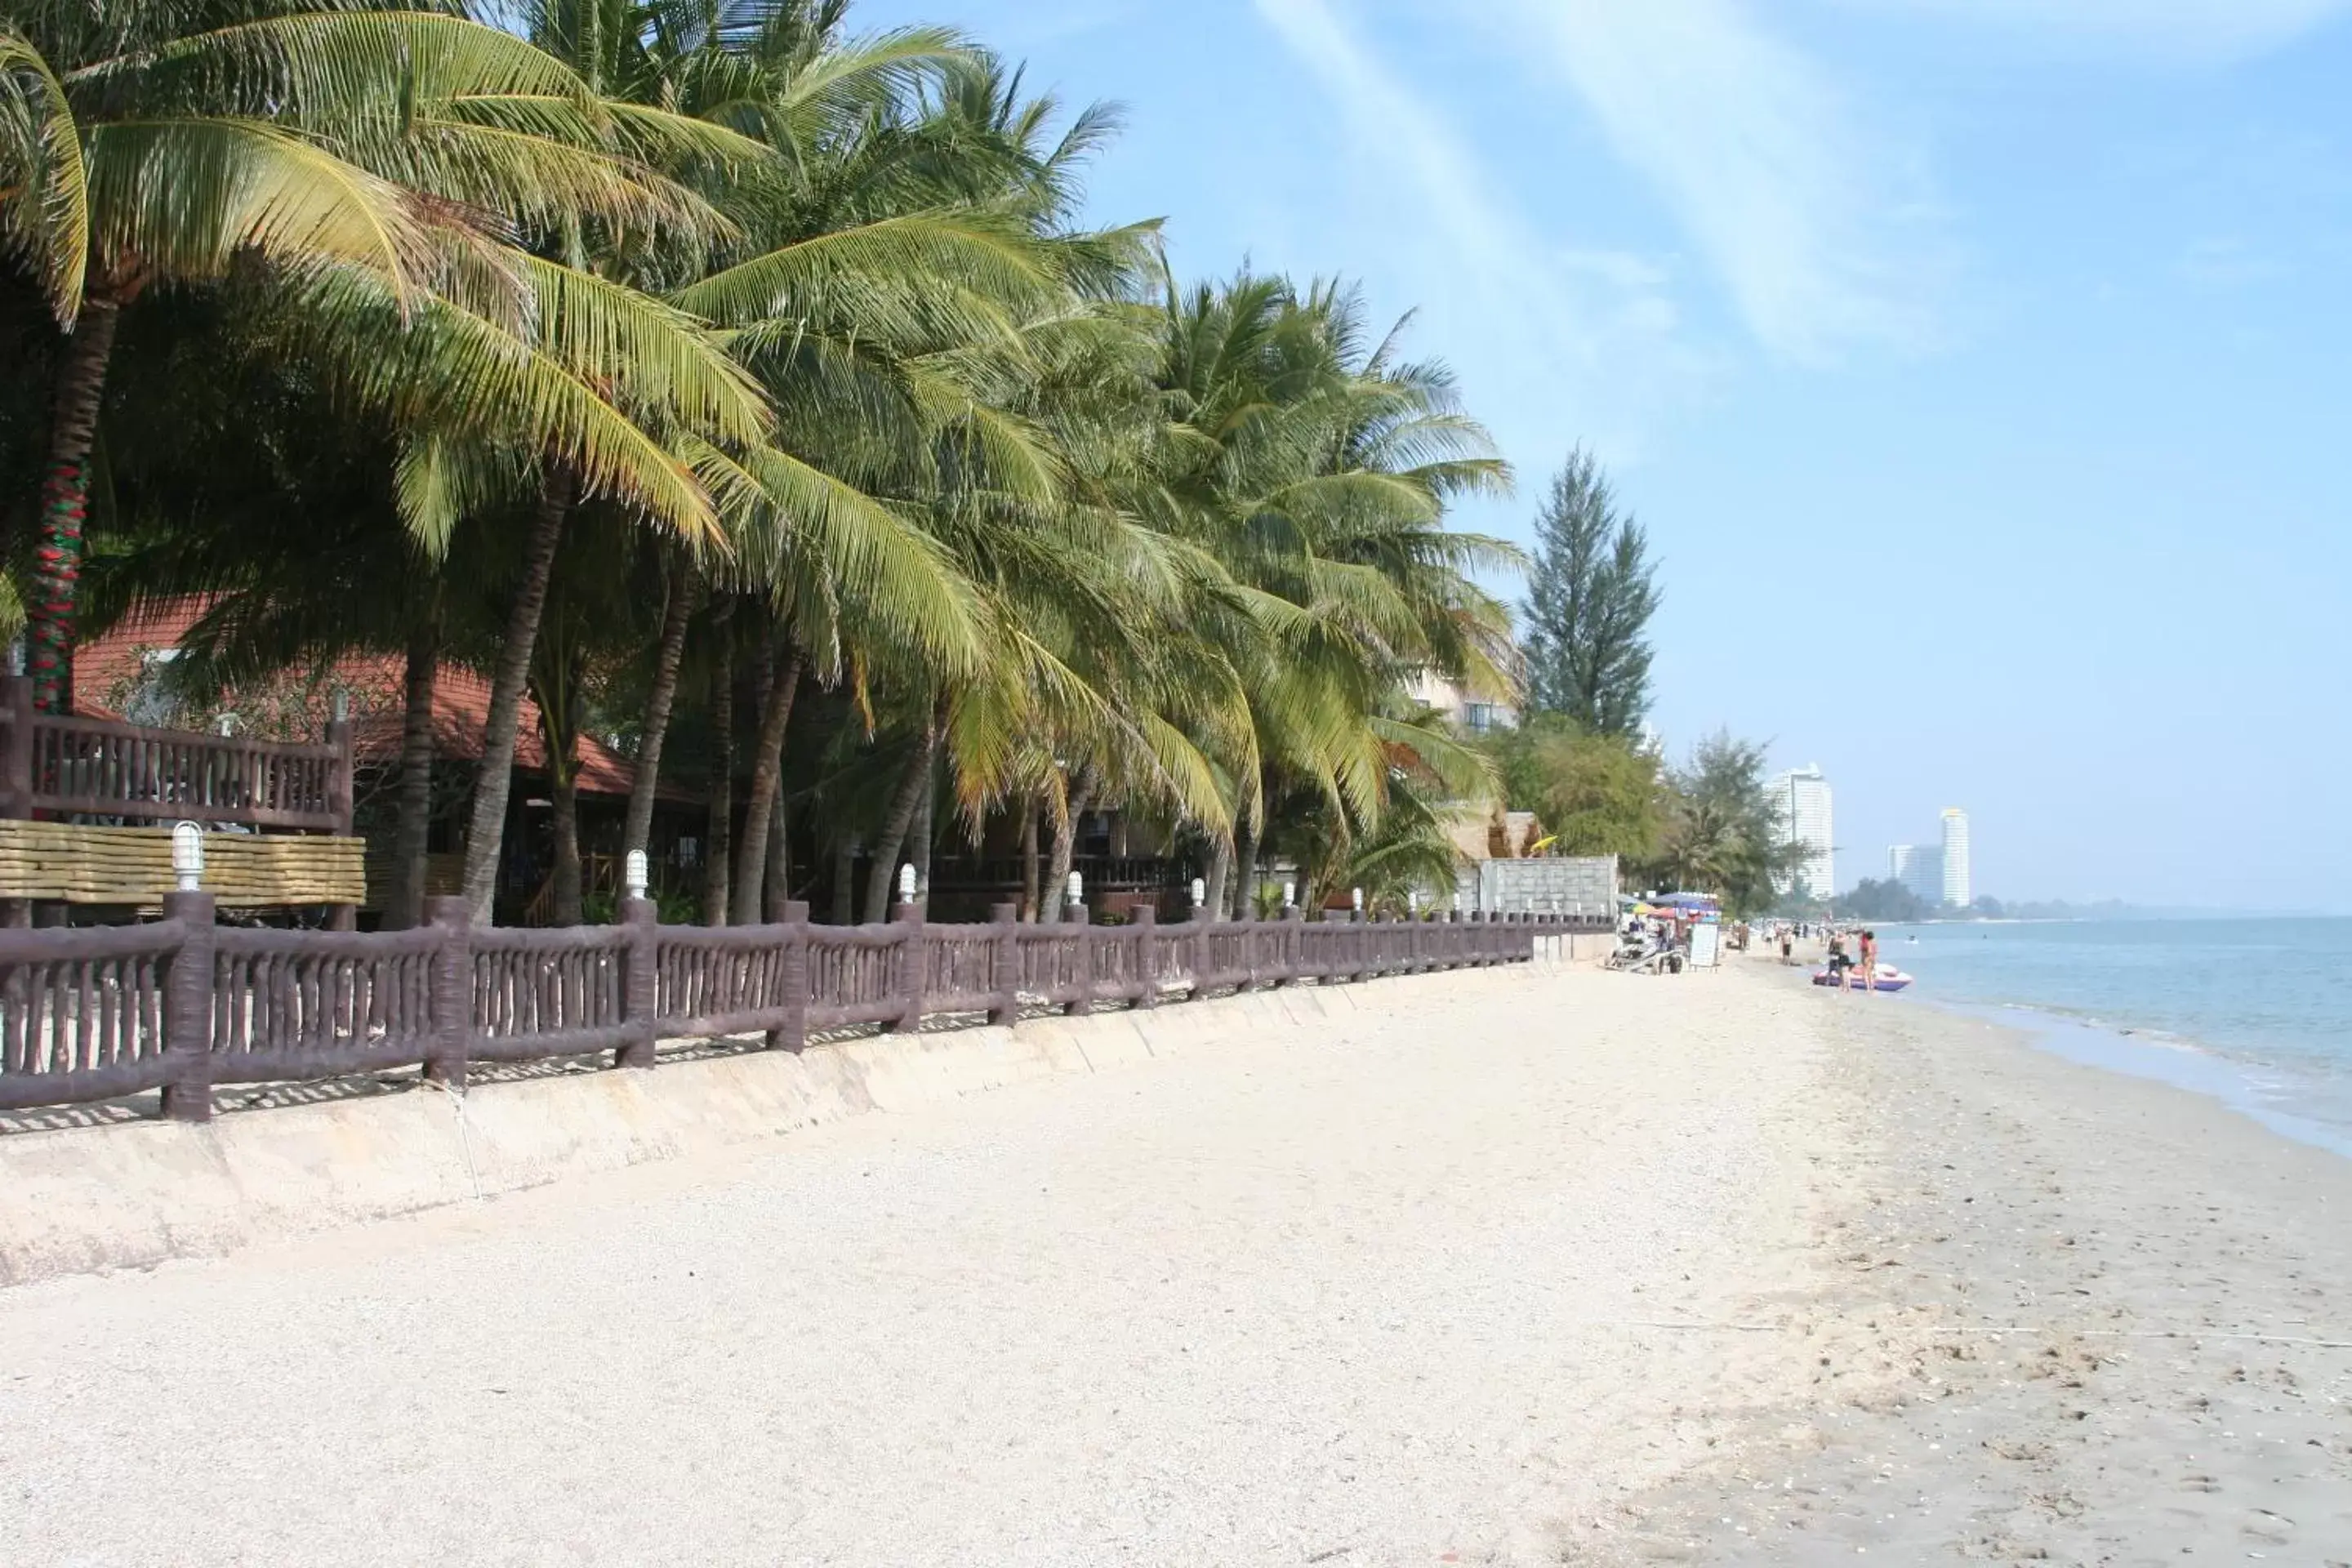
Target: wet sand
(2111,1322)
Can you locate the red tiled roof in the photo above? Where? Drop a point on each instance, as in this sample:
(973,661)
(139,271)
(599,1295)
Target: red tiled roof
(106,665)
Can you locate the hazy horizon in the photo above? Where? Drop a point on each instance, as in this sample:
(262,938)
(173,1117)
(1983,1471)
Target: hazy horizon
(1998,338)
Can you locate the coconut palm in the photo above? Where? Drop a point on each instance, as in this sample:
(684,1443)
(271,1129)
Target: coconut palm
(150,148)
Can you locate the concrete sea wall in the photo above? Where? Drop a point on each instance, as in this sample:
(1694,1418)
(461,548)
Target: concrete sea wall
(133,1194)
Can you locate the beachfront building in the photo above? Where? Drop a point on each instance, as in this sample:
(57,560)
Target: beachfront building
(1479,712)
(1804,796)
(1957,892)
(1918,868)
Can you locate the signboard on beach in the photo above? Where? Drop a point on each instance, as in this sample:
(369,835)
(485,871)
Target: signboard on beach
(1707,945)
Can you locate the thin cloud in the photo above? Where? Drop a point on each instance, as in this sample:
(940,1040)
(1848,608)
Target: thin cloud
(1817,235)
(2189,28)
(1555,321)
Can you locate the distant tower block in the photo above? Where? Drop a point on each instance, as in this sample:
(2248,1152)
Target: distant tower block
(1958,890)
(1803,795)
(1920,868)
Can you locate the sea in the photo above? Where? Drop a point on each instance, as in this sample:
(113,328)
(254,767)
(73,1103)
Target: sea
(2255,1012)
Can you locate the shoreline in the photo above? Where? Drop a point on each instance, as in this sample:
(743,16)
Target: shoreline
(2245,1082)
(2180,1061)
(2120,1311)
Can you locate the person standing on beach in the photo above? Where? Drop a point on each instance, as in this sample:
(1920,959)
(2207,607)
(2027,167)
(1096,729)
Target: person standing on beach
(1788,946)
(1870,962)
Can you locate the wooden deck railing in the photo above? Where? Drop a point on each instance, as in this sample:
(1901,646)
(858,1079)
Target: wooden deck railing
(99,767)
(182,1004)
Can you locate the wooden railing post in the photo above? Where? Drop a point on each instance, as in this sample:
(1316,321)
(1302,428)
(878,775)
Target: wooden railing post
(1205,920)
(188,1010)
(914,960)
(340,786)
(17,776)
(1146,971)
(17,751)
(1075,913)
(792,975)
(1004,963)
(640,998)
(1290,947)
(452,982)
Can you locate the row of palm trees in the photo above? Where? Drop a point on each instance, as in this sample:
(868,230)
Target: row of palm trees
(737,386)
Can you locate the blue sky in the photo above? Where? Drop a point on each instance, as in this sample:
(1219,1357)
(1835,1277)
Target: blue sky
(1979,366)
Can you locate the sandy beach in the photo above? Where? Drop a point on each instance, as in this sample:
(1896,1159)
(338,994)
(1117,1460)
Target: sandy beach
(1568,1267)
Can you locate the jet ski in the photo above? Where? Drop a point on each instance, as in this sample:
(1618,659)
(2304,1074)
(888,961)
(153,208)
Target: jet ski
(1888,978)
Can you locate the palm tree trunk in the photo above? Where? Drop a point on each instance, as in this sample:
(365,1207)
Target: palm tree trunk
(716,864)
(64,502)
(485,835)
(1055,894)
(1029,868)
(564,791)
(767,771)
(1219,877)
(406,907)
(919,850)
(884,870)
(845,878)
(668,656)
(780,860)
(1245,861)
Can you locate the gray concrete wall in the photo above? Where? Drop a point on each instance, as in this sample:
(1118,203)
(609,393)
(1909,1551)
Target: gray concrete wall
(84,1199)
(1572,884)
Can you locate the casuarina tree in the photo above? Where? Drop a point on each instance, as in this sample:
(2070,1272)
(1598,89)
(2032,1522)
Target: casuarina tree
(1590,600)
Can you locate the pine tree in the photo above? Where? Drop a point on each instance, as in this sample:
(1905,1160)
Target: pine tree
(1590,600)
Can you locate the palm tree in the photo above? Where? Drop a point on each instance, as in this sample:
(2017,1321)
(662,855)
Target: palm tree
(158,147)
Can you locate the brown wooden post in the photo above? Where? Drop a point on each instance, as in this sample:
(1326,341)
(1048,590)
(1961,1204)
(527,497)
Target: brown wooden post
(640,1001)
(340,786)
(188,1010)
(17,752)
(17,776)
(452,1005)
(1290,946)
(1005,963)
(914,961)
(1146,971)
(1088,940)
(1204,921)
(792,976)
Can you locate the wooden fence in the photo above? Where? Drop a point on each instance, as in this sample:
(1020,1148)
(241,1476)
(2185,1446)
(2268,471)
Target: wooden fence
(180,1005)
(101,767)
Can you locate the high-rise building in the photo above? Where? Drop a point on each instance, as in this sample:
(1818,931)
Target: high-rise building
(1919,868)
(1956,887)
(1805,799)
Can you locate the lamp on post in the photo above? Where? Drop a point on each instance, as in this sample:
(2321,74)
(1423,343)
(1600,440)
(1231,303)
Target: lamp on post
(1289,894)
(634,874)
(188,855)
(1356,901)
(1200,892)
(907,882)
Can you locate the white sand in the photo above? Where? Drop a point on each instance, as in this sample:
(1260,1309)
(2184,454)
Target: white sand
(1592,1268)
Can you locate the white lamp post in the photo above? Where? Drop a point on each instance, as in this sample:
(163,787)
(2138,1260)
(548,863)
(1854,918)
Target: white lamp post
(907,883)
(1200,892)
(634,875)
(1355,900)
(1077,888)
(188,855)
(1289,894)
